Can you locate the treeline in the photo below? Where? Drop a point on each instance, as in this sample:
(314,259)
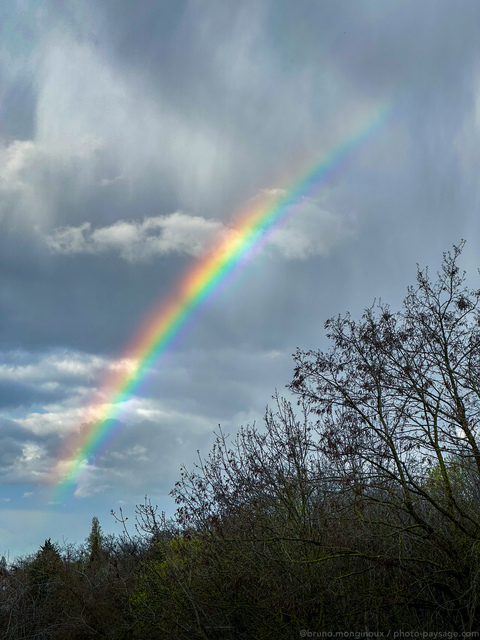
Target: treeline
(358,510)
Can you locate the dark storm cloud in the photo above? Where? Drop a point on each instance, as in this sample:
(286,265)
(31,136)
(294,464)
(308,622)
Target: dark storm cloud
(264,78)
(90,304)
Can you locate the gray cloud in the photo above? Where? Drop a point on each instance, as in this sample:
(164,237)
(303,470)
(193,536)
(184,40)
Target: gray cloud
(150,454)
(25,457)
(27,195)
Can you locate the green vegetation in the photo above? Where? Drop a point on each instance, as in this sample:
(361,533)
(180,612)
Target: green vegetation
(360,510)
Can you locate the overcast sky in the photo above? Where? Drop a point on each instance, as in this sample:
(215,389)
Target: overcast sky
(130,134)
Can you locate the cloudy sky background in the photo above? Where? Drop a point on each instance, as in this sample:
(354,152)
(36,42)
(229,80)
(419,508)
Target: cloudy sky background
(130,134)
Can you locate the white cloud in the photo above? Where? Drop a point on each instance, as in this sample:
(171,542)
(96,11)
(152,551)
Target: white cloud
(58,367)
(67,417)
(55,419)
(31,466)
(157,433)
(308,230)
(137,241)
(17,193)
(70,239)
(15,159)
(105,182)
(74,375)
(27,191)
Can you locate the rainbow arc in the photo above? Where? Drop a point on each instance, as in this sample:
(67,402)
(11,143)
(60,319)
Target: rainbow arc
(229,253)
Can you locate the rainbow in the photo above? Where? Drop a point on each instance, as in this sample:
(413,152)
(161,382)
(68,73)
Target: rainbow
(229,253)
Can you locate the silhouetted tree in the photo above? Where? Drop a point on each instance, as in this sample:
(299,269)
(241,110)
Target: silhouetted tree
(95,540)
(398,400)
(359,510)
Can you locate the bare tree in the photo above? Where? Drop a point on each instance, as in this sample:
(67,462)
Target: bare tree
(398,395)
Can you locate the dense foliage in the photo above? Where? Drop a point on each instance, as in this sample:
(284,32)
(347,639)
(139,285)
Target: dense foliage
(360,510)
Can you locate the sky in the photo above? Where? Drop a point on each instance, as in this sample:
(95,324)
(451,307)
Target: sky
(131,135)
